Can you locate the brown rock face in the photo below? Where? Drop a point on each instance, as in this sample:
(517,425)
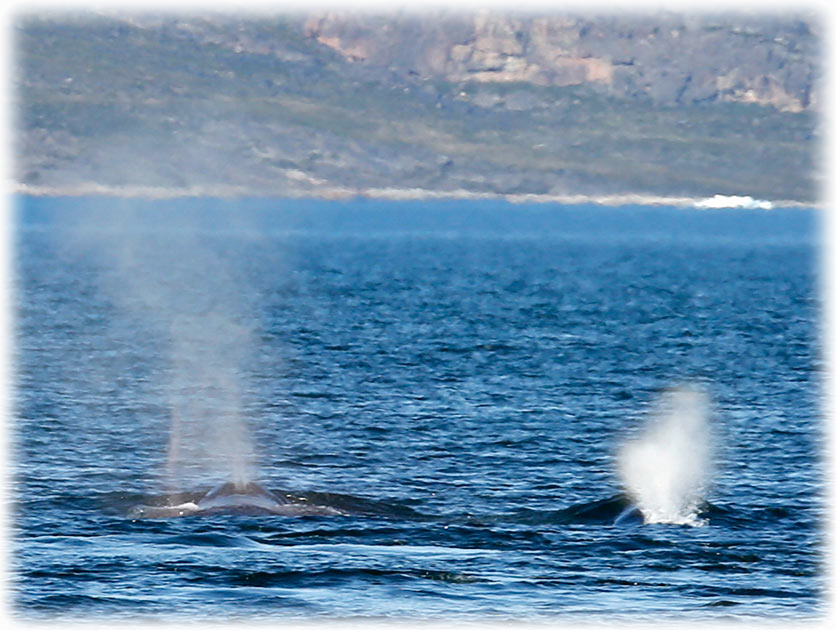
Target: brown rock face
(672,59)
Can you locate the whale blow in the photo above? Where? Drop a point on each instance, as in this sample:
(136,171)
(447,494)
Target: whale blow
(665,470)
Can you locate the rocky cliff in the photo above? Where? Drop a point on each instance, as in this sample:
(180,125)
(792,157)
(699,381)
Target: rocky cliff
(671,59)
(483,104)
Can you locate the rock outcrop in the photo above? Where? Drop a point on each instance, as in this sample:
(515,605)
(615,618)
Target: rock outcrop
(671,59)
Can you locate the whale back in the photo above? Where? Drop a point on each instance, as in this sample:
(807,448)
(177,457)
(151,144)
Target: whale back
(631,515)
(240,497)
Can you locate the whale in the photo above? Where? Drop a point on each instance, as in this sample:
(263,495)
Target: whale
(241,497)
(246,498)
(631,515)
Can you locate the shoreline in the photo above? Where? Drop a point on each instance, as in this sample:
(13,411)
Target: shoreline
(406,194)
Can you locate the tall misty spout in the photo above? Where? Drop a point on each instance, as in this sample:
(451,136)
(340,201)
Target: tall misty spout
(168,275)
(209,435)
(666,469)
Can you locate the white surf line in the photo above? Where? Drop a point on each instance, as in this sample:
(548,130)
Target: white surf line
(717,202)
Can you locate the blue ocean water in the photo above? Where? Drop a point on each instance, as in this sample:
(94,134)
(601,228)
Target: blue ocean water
(455,379)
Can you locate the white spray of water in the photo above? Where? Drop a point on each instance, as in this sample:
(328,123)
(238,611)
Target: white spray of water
(176,289)
(209,437)
(666,470)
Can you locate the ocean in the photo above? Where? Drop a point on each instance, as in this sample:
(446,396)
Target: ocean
(467,410)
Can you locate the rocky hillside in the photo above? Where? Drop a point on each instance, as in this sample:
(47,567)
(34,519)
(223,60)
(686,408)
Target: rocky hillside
(344,104)
(670,59)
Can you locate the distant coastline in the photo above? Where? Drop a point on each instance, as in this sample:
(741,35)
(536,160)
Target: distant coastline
(404,194)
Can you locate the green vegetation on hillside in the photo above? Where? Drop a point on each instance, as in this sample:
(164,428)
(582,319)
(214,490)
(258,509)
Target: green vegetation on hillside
(108,101)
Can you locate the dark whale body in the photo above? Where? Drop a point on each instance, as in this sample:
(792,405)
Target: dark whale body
(631,515)
(246,498)
(240,498)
